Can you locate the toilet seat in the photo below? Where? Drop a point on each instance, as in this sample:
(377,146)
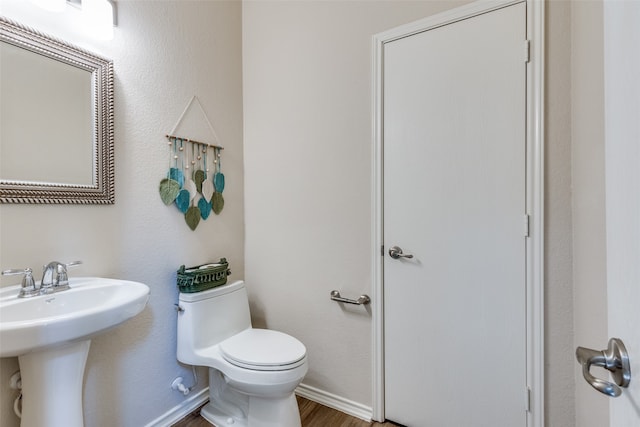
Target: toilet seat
(263,350)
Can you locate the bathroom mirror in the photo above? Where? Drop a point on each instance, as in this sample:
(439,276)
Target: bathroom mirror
(56,120)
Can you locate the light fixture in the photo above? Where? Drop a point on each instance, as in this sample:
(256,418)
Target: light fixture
(99,17)
(51,5)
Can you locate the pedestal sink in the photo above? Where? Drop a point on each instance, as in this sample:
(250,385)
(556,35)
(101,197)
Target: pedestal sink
(51,335)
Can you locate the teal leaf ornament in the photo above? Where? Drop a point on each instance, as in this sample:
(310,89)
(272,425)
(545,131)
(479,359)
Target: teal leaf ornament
(217,203)
(205,208)
(169,190)
(177,175)
(219,182)
(182,201)
(192,217)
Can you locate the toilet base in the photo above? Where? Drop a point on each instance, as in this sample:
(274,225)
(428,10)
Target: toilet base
(281,412)
(229,408)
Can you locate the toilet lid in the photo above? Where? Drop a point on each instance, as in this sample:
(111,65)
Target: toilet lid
(264,350)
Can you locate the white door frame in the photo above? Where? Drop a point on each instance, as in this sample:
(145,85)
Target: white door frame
(535,195)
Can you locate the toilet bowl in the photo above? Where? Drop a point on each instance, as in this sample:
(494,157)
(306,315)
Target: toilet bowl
(252,372)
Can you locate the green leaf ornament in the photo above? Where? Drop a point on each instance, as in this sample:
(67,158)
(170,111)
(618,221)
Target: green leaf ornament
(192,217)
(217,203)
(169,190)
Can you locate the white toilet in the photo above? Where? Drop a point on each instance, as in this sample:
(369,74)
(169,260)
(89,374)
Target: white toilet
(252,372)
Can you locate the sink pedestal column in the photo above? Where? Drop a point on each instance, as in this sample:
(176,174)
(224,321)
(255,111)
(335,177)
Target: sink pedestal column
(52,385)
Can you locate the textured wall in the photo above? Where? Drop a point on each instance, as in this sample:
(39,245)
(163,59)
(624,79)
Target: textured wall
(164,52)
(307,105)
(559,351)
(588,182)
(308,183)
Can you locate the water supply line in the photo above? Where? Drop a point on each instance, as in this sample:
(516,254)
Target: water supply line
(16,384)
(177,384)
(16,404)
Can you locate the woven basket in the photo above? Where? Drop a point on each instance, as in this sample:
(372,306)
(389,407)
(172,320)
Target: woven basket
(203,277)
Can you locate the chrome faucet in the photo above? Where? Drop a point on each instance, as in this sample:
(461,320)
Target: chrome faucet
(54,277)
(50,277)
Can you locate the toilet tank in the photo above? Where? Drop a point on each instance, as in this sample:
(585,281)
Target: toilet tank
(211,316)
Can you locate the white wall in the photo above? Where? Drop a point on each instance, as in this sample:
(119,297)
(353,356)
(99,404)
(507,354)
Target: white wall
(307,128)
(559,359)
(307,106)
(164,52)
(588,198)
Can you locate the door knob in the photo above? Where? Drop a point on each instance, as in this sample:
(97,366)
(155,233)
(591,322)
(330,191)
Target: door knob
(396,252)
(614,358)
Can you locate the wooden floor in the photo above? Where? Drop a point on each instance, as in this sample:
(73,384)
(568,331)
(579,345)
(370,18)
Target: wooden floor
(312,415)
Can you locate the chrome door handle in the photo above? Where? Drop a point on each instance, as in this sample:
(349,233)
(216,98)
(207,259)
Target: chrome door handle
(395,252)
(614,358)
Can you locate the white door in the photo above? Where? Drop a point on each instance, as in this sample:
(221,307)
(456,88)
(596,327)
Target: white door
(454,198)
(622,174)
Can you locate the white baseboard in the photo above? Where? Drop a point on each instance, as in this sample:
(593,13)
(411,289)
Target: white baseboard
(180,411)
(339,403)
(322,397)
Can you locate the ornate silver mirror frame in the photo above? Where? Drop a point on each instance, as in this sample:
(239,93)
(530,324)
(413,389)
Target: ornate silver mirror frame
(101,189)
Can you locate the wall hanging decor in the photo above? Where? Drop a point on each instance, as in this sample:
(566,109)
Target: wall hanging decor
(194,181)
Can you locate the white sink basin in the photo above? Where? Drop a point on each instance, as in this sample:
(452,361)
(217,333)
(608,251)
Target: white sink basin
(51,335)
(91,306)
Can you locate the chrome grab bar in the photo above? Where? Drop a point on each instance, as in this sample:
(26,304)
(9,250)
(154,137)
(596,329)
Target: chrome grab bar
(362,299)
(614,358)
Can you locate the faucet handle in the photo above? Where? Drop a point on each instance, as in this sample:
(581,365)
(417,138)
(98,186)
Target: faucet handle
(28,288)
(14,271)
(61,269)
(72,264)
(63,278)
